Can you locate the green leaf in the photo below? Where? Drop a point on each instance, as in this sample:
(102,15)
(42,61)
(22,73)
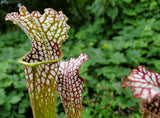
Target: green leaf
(62,115)
(15,99)
(3,96)
(117,58)
(23,106)
(86,113)
(134,56)
(7,106)
(112,12)
(127,1)
(95,56)
(129,12)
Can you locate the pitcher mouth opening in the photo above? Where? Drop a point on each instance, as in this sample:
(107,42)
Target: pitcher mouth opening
(49,52)
(46,31)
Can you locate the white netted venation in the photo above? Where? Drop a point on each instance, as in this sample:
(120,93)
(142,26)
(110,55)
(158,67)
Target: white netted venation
(145,85)
(70,86)
(46,32)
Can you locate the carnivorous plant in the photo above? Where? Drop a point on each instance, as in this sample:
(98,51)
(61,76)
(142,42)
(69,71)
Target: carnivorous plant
(42,66)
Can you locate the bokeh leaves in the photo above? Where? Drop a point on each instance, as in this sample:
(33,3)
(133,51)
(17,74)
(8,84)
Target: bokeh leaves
(117,35)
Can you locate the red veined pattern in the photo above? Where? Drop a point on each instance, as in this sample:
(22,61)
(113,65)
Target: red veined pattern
(145,85)
(46,32)
(70,86)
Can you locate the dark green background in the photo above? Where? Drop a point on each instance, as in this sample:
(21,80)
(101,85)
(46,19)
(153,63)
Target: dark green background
(117,35)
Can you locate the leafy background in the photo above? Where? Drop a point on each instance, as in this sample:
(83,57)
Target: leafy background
(117,35)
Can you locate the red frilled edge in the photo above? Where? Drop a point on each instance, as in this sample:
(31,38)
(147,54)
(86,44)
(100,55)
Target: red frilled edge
(144,84)
(46,32)
(70,86)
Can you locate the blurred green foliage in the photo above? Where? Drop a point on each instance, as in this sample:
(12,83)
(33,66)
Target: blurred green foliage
(118,35)
(14,99)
